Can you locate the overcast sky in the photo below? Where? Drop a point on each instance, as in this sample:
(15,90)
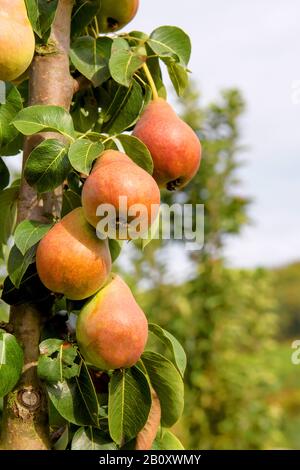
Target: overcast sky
(253,45)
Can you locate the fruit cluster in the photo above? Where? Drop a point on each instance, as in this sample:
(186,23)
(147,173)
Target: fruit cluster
(71,259)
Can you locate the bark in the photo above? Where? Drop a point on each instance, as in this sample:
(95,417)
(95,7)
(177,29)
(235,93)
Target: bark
(25,417)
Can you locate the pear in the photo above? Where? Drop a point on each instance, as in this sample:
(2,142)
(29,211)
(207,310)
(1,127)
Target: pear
(71,260)
(114,177)
(115,14)
(174,146)
(112,330)
(16,39)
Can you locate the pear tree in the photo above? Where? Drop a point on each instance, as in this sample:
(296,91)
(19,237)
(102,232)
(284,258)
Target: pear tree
(85,103)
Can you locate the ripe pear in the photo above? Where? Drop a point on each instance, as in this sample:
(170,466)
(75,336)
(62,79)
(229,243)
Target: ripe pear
(71,260)
(16,39)
(115,14)
(174,146)
(112,329)
(116,176)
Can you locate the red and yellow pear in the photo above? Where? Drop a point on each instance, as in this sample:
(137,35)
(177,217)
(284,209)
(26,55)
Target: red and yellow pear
(115,14)
(16,39)
(174,146)
(112,329)
(71,260)
(116,176)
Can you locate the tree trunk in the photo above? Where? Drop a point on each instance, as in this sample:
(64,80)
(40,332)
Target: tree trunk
(25,415)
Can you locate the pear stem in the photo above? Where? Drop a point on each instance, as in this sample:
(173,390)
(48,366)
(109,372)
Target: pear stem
(94,32)
(151,81)
(97,26)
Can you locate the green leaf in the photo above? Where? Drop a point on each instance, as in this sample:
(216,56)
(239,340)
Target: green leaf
(71,200)
(31,289)
(170,41)
(124,109)
(63,441)
(151,234)
(91,58)
(68,402)
(11,362)
(14,147)
(138,35)
(28,233)
(4,175)
(84,113)
(88,393)
(83,14)
(136,150)
(44,118)
(50,346)
(47,165)
(4,311)
(41,14)
(55,419)
(166,440)
(89,438)
(49,369)
(73,182)
(124,62)
(17,264)
(82,154)
(76,399)
(129,404)
(178,76)
(57,361)
(115,247)
(179,356)
(13,104)
(8,207)
(168,384)
(16,183)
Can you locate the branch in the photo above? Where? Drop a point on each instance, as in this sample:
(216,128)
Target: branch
(6,327)
(25,418)
(80,83)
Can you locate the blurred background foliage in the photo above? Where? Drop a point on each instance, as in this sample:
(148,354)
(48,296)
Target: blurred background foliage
(237,326)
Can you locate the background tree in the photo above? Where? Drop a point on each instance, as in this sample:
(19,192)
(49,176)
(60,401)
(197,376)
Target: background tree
(286,282)
(226,319)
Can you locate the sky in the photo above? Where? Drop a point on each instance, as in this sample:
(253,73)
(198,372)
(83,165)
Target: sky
(254,46)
